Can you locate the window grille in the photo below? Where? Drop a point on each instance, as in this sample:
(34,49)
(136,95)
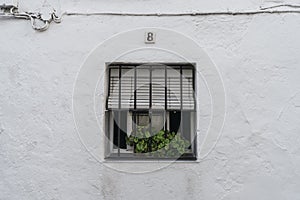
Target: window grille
(158,97)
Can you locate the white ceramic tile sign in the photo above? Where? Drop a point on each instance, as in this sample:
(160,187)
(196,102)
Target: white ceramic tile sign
(150,37)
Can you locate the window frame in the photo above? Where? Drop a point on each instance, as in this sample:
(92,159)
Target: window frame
(193,112)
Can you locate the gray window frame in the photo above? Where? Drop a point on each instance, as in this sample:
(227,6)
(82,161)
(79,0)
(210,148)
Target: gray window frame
(120,66)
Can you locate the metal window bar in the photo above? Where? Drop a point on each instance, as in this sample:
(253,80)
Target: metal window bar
(108,88)
(135,87)
(166,101)
(181,106)
(150,108)
(134,115)
(194,88)
(107,128)
(119,112)
(193,134)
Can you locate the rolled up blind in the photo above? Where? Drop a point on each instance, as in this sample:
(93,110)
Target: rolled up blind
(170,88)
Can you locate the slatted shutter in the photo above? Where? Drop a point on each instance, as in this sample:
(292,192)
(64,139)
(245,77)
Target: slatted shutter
(166,87)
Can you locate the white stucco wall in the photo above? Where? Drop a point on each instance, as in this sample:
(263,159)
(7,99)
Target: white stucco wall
(257,156)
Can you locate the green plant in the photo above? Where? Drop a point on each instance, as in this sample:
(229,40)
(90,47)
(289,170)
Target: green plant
(161,144)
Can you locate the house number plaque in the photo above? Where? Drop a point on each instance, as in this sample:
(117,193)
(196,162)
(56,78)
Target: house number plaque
(150,37)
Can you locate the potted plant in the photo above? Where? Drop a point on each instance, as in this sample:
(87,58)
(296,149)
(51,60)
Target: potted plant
(162,144)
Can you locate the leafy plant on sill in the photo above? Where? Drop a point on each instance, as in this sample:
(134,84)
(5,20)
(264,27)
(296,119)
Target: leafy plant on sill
(161,144)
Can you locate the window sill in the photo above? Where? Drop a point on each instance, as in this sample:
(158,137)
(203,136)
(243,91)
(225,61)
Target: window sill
(186,158)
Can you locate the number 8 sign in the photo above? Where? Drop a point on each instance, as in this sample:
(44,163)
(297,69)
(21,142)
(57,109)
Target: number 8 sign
(149,38)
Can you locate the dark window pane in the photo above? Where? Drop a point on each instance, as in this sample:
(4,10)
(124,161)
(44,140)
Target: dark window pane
(122,126)
(175,117)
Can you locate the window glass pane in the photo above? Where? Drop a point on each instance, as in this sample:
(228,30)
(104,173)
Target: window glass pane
(140,127)
(175,119)
(143,119)
(120,129)
(107,133)
(188,127)
(157,121)
(140,119)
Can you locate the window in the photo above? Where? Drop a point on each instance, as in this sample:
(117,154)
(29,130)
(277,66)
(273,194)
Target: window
(150,111)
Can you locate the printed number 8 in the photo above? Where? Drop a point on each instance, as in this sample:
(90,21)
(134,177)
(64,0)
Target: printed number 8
(150,36)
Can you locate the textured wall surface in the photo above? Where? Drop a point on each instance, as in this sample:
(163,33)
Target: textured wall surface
(257,156)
